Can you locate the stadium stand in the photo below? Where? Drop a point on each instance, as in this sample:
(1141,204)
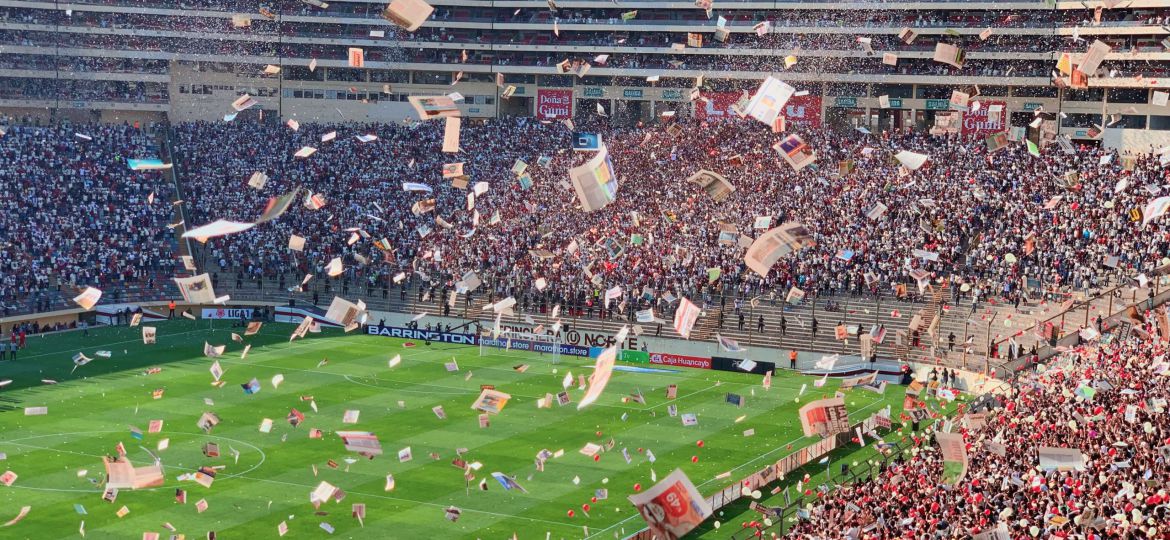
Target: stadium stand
(669,249)
(1028,233)
(74,181)
(207,52)
(1104,406)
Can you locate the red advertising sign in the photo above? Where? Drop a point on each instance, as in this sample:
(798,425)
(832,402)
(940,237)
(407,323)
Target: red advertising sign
(979,123)
(804,110)
(679,360)
(554,104)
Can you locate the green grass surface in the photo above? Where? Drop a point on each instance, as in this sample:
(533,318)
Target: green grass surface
(91,409)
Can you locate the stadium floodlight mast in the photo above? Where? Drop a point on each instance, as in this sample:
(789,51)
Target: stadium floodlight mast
(521,344)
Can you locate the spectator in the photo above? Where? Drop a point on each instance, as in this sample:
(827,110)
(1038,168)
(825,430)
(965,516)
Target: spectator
(82,216)
(1117,431)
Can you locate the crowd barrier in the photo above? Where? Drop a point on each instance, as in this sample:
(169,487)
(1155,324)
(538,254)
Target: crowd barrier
(777,471)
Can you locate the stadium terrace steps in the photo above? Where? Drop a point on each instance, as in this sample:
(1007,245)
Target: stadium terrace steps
(798,335)
(989,322)
(984,323)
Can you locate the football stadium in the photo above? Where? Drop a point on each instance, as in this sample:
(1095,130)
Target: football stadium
(635,269)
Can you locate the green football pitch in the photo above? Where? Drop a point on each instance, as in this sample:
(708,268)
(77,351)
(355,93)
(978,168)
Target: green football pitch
(92,409)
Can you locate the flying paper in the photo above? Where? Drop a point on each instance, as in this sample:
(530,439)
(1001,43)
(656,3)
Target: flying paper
(595,181)
(409,14)
(776,243)
(768,102)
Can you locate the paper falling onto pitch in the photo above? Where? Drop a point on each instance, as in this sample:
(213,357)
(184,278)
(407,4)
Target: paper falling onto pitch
(88,298)
(602,370)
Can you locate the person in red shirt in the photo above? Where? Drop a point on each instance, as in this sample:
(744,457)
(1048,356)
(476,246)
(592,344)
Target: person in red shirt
(22,336)
(172,306)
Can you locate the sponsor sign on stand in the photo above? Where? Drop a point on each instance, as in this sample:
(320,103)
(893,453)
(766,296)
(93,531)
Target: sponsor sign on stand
(980,123)
(680,360)
(421,335)
(554,104)
(534,346)
(227,313)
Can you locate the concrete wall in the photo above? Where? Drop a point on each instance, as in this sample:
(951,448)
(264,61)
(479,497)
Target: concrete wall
(40,114)
(129,117)
(49,319)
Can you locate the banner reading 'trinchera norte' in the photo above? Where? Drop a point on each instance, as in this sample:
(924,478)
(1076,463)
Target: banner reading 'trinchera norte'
(554,104)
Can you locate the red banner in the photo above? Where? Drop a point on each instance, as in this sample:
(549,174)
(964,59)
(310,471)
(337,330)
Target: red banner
(679,360)
(803,110)
(554,104)
(717,106)
(979,122)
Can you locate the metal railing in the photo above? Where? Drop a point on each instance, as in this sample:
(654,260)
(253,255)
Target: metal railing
(789,513)
(1104,302)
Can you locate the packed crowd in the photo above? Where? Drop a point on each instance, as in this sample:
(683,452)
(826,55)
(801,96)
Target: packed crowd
(786,42)
(861,17)
(73,214)
(1107,401)
(131,42)
(261,28)
(984,215)
(790,19)
(805,17)
(988,208)
(77,89)
(83,64)
(846,63)
(871,64)
(210,36)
